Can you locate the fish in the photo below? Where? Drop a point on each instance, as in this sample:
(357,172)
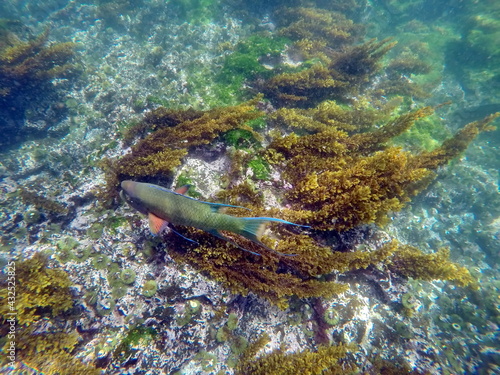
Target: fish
(163,207)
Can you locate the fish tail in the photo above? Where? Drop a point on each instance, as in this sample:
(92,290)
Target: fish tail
(254,228)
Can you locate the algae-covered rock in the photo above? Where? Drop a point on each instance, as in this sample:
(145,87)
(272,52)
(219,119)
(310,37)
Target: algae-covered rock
(149,288)
(27,68)
(127,276)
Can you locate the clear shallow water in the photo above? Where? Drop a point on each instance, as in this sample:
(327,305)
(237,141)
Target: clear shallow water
(131,59)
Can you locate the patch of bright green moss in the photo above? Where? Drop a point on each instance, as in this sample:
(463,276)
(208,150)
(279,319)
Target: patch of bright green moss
(260,168)
(135,336)
(232,321)
(259,123)
(114,222)
(82,253)
(67,243)
(240,139)
(244,63)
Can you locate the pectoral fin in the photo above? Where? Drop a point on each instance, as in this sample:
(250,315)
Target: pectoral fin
(156,224)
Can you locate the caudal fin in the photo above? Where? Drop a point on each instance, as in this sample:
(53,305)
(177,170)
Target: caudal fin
(255,226)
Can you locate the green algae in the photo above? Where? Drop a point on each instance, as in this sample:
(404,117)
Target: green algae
(32,217)
(43,297)
(101,261)
(241,139)
(427,134)
(331,317)
(192,309)
(138,336)
(127,276)
(68,249)
(406,301)
(184,180)
(244,62)
(95,231)
(207,360)
(403,330)
(67,243)
(259,123)
(232,321)
(149,288)
(119,291)
(260,169)
(113,276)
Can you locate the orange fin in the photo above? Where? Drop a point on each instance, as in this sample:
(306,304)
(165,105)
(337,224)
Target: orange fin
(156,224)
(183,189)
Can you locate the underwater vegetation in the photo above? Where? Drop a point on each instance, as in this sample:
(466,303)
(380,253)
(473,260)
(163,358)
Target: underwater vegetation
(246,59)
(316,25)
(27,69)
(337,168)
(317,147)
(326,360)
(329,151)
(474,58)
(338,180)
(333,65)
(326,58)
(313,55)
(158,153)
(197,11)
(41,202)
(345,72)
(44,306)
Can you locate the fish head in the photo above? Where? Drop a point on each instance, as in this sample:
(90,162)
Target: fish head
(129,194)
(130,188)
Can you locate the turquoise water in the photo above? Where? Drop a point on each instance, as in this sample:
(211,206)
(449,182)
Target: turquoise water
(80,88)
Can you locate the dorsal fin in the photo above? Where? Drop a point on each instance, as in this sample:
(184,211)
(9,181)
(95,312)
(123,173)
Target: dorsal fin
(183,189)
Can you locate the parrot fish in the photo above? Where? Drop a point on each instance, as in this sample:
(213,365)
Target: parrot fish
(164,206)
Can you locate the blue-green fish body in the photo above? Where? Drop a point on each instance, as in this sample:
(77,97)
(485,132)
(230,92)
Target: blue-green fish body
(165,206)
